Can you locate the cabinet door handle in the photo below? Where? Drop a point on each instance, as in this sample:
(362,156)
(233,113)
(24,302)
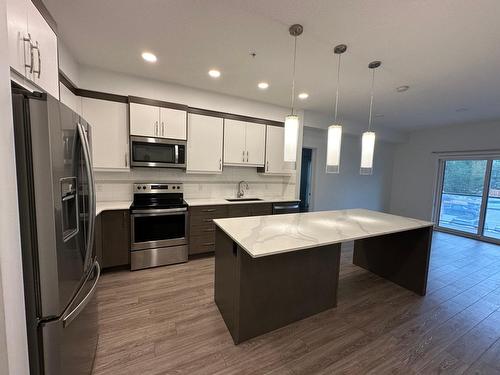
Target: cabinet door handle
(28,40)
(156,127)
(247,156)
(39,71)
(209,210)
(207,220)
(220,164)
(243,155)
(162,129)
(208,244)
(126,159)
(267,165)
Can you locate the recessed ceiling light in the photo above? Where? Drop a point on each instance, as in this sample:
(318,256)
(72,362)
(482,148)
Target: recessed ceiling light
(379,115)
(303,95)
(462,109)
(402,88)
(149,57)
(263,85)
(214,73)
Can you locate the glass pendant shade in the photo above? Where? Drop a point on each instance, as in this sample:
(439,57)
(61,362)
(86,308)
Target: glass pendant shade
(291,138)
(333,149)
(367,150)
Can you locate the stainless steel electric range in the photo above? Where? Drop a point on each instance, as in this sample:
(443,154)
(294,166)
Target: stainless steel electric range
(159,229)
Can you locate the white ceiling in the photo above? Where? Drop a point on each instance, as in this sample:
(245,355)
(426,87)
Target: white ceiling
(448,51)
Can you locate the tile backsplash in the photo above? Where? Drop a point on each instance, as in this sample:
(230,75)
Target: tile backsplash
(117,186)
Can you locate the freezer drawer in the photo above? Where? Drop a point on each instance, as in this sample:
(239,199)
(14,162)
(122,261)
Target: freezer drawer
(70,342)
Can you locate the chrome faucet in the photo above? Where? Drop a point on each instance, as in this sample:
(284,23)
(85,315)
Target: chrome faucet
(241,191)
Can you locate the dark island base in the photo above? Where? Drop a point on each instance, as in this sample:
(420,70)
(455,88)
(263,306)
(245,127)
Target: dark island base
(259,295)
(402,257)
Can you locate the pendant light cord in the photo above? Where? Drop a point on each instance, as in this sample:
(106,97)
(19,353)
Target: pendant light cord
(338,89)
(293,74)
(371,101)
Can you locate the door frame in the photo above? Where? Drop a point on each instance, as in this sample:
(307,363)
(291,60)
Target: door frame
(442,159)
(312,181)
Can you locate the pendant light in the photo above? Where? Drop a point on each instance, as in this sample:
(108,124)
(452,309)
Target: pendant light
(368,138)
(292,120)
(335,130)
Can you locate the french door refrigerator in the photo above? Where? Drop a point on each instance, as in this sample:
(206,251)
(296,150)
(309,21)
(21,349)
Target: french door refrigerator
(57,216)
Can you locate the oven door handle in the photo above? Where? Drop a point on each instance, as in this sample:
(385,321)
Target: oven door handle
(159,212)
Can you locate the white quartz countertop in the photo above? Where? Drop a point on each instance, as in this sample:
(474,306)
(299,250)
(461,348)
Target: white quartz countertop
(220,201)
(111,205)
(267,235)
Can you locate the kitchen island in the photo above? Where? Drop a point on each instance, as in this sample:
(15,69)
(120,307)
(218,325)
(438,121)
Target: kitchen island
(273,270)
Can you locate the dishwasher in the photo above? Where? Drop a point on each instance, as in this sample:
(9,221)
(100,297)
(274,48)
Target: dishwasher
(285,208)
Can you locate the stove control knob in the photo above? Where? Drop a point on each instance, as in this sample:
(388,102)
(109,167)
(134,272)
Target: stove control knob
(173,187)
(144,188)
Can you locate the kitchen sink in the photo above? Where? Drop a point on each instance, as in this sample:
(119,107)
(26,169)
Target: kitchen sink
(243,199)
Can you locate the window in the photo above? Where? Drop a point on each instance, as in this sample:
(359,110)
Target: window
(469,197)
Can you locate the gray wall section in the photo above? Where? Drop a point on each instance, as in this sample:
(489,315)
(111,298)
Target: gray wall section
(415,164)
(349,189)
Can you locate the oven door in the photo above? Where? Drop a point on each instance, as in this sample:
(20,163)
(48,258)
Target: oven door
(154,228)
(157,152)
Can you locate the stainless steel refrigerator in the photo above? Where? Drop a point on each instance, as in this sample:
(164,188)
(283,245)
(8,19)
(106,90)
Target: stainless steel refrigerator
(57,216)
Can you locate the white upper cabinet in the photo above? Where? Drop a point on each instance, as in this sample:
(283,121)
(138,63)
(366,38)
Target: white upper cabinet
(204,145)
(275,163)
(255,143)
(144,120)
(45,64)
(32,46)
(159,122)
(234,142)
(173,123)
(109,131)
(244,143)
(17,21)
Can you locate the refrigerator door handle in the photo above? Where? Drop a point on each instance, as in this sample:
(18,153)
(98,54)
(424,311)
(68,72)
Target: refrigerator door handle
(90,178)
(76,311)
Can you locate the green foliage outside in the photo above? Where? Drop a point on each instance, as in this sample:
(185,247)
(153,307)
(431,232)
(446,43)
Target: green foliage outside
(467,177)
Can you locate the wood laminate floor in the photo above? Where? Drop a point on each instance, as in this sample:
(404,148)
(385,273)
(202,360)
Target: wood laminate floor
(164,321)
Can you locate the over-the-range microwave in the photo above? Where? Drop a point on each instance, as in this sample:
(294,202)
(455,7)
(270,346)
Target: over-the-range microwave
(157,152)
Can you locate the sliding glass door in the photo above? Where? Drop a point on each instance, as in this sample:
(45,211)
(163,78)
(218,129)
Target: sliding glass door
(492,217)
(468,200)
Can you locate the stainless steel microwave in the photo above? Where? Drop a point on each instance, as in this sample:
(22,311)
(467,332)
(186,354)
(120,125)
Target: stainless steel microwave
(157,152)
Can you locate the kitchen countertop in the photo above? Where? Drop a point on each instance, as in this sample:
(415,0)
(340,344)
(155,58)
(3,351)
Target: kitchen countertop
(267,235)
(125,205)
(111,205)
(221,201)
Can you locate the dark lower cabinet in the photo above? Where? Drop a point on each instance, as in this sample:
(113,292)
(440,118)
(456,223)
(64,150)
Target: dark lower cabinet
(98,239)
(112,238)
(256,209)
(202,228)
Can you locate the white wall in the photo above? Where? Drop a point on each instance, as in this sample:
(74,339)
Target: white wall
(122,84)
(415,166)
(319,120)
(13,341)
(349,189)
(67,63)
